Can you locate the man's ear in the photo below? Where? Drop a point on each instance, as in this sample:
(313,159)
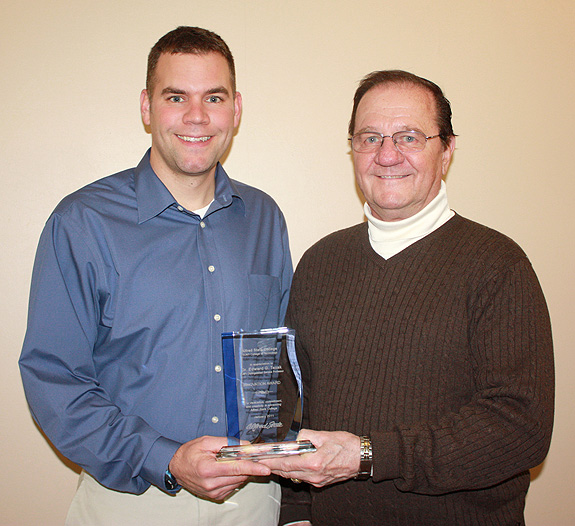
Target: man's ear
(237,108)
(447,154)
(145,107)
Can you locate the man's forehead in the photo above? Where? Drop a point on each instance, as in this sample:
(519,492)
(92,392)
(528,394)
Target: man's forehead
(185,70)
(403,101)
(182,62)
(399,96)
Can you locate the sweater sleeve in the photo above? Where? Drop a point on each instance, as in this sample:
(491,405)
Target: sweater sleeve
(505,427)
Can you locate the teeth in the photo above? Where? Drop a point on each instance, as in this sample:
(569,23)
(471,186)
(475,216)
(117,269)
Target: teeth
(193,139)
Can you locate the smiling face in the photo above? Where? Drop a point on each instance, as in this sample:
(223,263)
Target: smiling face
(398,185)
(192,114)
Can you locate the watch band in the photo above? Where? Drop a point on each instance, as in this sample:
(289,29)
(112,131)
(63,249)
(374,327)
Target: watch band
(170,481)
(366,458)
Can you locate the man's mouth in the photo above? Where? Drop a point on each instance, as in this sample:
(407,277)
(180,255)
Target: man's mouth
(391,176)
(194,139)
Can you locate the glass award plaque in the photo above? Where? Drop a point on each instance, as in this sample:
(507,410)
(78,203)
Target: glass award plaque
(263,394)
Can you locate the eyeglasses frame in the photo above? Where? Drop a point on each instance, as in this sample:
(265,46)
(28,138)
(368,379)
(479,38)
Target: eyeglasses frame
(427,137)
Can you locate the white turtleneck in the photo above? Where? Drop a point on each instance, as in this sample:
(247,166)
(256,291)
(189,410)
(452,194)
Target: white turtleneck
(388,238)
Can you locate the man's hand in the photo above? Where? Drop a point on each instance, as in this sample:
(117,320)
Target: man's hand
(195,467)
(336,459)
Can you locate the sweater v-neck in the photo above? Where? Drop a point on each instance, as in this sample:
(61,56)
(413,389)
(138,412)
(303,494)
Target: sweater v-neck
(409,251)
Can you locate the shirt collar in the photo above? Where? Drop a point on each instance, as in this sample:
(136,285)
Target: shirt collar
(153,197)
(226,190)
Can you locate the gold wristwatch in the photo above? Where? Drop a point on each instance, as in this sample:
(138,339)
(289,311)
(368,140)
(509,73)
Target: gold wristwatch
(366,458)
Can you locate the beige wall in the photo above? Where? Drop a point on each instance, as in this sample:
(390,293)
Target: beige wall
(71,77)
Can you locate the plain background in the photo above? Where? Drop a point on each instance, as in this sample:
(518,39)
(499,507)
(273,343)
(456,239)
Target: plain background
(71,78)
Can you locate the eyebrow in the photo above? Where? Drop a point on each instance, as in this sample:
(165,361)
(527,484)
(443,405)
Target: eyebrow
(370,129)
(176,91)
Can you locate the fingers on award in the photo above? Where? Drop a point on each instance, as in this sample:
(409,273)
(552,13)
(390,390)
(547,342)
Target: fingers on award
(264,399)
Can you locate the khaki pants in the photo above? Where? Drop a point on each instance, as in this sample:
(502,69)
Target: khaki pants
(256,504)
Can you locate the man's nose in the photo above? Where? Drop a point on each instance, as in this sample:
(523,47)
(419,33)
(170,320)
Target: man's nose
(388,153)
(196,113)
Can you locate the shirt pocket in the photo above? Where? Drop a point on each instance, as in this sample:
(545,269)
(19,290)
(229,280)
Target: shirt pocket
(265,301)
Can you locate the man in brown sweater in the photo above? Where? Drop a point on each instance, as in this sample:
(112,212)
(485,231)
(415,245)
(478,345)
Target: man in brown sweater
(424,341)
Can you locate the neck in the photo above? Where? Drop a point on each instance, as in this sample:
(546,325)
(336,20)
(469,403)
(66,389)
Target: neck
(190,191)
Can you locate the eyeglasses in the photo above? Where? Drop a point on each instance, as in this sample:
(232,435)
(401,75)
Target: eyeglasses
(404,141)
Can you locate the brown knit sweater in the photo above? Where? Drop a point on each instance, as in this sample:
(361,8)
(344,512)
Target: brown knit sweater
(443,355)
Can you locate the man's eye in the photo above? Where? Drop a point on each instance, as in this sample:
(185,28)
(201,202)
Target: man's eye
(214,98)
(408,138)
(372,139)
(176,98)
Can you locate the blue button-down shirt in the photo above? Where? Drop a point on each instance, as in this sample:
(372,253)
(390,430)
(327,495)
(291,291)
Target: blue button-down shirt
(130,294)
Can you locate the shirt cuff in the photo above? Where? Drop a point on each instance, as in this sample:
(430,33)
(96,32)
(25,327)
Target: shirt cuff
(158,459)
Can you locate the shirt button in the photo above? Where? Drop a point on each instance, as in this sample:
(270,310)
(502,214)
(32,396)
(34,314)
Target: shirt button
(217,317)
(202,224)
(211,268)
(218,368)
(181,208)
(215,419)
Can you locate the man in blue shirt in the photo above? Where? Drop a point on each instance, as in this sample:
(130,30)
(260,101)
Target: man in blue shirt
(136,277)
